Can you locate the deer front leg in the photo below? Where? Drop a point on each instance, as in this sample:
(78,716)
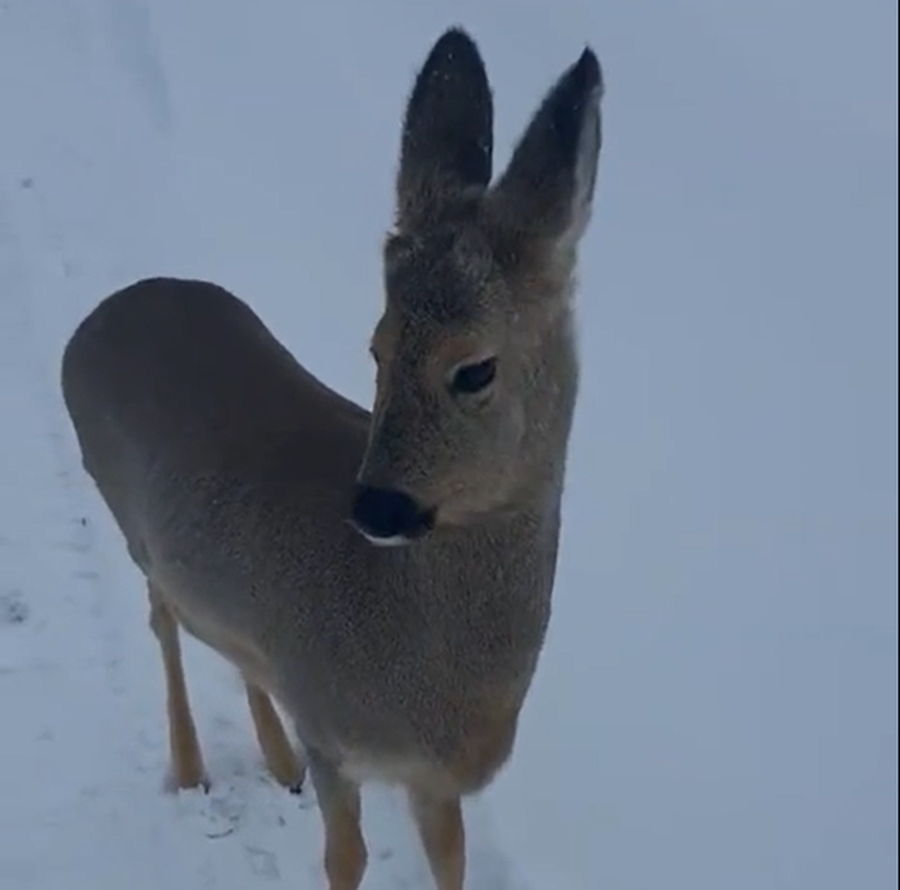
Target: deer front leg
(282,760)
(339,801)
(441,829)
(184,749)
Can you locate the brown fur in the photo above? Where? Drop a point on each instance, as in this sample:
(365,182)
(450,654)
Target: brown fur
(281,759)
(230,471)
(188,770)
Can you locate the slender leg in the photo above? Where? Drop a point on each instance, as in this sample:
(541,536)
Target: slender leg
(440,825)
(186,759)
(281,758)
(339,801)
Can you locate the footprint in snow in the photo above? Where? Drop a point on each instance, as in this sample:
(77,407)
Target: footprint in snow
(14,608)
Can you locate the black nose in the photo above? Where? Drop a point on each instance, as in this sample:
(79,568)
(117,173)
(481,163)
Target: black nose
(385,513)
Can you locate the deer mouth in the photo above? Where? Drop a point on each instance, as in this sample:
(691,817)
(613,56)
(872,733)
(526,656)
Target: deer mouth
(388,517)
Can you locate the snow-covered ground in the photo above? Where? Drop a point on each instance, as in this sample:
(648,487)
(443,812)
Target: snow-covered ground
(717,704)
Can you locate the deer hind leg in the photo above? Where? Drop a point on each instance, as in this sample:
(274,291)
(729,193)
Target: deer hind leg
(281,758)
(184,749)
(339,801)
(440,825)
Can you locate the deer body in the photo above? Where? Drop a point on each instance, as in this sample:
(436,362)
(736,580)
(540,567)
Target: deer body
(254,499)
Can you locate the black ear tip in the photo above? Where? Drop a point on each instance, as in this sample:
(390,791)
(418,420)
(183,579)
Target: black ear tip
(587,73)
(455,56)
(455,45)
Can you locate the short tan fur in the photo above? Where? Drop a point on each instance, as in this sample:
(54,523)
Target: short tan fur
(385,578)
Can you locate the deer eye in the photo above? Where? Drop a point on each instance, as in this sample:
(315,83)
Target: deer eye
(471,379)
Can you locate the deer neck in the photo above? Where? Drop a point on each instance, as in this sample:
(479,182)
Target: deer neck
(516,544)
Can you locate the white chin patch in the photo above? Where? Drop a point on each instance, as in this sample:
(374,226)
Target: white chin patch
(395,541)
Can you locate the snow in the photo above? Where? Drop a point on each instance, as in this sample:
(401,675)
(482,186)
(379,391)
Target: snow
(717,704)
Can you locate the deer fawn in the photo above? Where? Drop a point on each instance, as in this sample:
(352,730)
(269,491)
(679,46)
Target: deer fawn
(385,577)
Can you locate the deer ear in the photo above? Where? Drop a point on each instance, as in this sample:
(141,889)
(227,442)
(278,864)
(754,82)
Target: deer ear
(447,142)
(547,191)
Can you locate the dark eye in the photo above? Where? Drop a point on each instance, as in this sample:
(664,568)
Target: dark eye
(470,379)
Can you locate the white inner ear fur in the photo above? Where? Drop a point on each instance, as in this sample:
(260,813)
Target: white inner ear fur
(585,176)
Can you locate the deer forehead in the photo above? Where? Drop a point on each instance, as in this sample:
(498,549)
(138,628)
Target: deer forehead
(415,342)
(445,299)
(449,274)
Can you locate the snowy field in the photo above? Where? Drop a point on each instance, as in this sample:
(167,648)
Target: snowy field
(716,707)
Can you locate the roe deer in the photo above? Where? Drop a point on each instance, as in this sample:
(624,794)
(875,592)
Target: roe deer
(253,497)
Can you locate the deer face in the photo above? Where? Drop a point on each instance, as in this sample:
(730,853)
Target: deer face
(476,370)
